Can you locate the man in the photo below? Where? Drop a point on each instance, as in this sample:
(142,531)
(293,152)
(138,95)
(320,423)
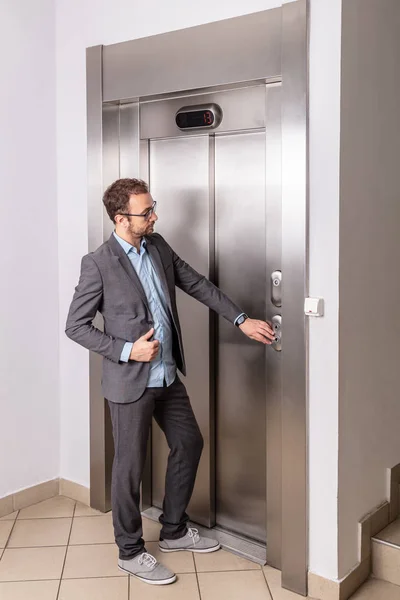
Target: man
(131,281)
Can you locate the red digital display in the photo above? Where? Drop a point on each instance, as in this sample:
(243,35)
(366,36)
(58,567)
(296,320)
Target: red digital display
(208,117)
(195,118)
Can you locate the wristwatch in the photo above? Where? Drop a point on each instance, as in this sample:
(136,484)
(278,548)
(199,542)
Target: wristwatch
(241,319)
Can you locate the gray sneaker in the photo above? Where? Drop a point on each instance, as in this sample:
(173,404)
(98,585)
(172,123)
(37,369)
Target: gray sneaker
(192,541)
(146,568)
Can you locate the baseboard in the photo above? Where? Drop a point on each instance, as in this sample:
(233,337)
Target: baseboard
(321,588)
(44,491)
(76,491)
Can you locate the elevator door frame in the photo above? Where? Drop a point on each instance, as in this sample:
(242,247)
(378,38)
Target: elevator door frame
(274,43)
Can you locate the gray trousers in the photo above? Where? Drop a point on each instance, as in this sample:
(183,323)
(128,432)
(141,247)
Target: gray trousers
(131,422)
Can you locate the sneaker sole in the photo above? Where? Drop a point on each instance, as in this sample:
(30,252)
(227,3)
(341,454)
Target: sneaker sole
(206,551)
(150,581)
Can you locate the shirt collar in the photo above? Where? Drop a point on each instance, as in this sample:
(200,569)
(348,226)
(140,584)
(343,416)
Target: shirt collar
(127,247)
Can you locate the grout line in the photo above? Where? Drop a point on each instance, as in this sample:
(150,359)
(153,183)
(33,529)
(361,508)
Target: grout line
(122,577)
(42,518)
(9,537)
(129,587)
(228,571)
(116,576)
(67,579)
(66,552)
(61,545)
(266,581)
(197,577)
(92,516)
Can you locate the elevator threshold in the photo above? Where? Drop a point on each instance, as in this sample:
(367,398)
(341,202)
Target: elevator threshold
(230,542)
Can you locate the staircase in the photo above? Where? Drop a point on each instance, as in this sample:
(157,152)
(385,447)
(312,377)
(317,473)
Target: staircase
(386,553)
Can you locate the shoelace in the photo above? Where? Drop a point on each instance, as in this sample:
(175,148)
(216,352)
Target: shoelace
(147,559)
(194,534)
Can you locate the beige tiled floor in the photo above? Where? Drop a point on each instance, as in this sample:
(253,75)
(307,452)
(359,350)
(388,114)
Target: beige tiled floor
(61,550)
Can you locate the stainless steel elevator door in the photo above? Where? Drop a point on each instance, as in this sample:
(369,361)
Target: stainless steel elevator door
(241,387)
(179,181)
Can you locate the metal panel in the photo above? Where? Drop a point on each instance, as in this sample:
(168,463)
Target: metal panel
(239,49)
(100,433)
(241,404)
(129,140)
(295,288)
(242,109)
(111,158)
(274,359)
(179,181)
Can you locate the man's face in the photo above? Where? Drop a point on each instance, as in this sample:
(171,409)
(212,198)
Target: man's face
(139,204)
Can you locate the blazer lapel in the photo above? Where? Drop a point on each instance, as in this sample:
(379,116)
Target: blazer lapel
(123,260)
(156,259)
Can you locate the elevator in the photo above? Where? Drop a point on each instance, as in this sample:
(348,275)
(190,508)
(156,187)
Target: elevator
(210,187)
(214,119)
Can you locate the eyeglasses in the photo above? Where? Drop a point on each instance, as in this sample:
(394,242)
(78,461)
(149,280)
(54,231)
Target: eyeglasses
(145,215)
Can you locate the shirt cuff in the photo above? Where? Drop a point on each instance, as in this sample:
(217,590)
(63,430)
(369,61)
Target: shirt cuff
(126,352)
(238,317)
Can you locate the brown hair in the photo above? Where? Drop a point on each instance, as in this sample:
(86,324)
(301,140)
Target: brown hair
(116,197)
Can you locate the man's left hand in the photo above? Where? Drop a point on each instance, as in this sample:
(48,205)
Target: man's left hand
(258,330)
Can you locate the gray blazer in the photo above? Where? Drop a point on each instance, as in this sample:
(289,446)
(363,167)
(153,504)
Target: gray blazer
(109,284)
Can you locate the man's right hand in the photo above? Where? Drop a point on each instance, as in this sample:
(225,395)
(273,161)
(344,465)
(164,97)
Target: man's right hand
(143,350)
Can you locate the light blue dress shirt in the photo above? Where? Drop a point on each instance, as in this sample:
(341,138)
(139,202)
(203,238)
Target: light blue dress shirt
(163,366)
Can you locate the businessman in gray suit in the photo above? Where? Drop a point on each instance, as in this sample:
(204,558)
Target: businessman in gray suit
(131,281)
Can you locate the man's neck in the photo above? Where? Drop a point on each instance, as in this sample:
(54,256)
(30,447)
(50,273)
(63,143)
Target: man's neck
(133,240)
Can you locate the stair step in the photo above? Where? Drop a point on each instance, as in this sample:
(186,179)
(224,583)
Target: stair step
(386,553)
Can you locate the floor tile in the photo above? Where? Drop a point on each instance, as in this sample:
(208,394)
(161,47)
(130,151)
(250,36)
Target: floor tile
(233,586)
(273,577)
(92,530)
(223,561)
(29,590)
(5,530)
(82,510)
(374,589)
(92,561)
(151,530)
(11,517)
(40,532)
(185,588)
(24,564)
(103,588)
(59,506)
(179,562)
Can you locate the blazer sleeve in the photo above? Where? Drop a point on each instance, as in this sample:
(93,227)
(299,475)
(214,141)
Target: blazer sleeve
(85,303)
(201,288)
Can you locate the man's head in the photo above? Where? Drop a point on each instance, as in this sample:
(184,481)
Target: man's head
(129,205)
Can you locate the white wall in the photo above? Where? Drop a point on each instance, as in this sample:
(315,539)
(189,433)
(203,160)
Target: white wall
(82,23)
(29,424)
(324,265)
(369,331)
